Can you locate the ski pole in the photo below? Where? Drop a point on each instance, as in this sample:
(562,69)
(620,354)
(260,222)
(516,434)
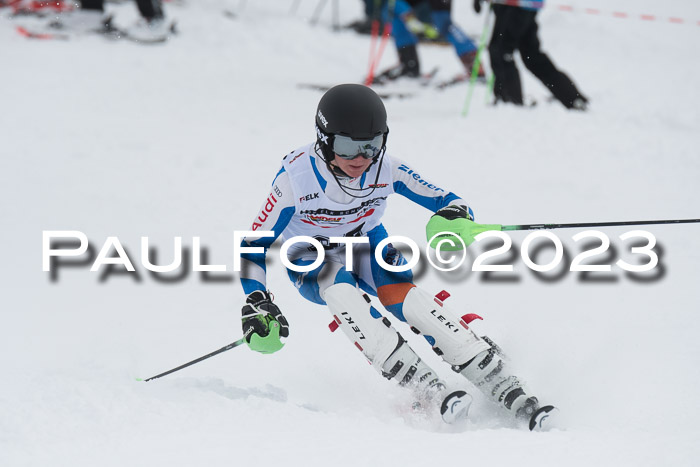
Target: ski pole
(476,229)
(594,224)
(477,62)
(489,87)
(209,355)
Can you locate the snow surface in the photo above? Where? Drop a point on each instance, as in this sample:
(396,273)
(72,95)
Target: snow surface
(183,139)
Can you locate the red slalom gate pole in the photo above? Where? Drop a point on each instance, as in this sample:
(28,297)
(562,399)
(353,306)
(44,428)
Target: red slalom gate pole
(372,43)
(380,52)
(375,57)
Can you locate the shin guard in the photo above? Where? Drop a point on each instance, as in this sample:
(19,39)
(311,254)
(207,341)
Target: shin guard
(383,346)
(454,341)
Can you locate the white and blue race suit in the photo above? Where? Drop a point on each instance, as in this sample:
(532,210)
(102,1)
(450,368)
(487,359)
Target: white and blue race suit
(305,199)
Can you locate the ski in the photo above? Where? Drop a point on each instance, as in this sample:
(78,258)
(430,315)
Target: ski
(458,79)
(428,78)
(380,93)
(41,35)
(383,87)
(109,31)
(529,102)
(543,419)
(386,77)
(455,407)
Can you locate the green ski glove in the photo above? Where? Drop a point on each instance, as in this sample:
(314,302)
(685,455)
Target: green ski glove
(457,220)
(263,323)
(416,26)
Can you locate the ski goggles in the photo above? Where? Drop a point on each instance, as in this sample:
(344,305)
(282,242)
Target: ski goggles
(347,148)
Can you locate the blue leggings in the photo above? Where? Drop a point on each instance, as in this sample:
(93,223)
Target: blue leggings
(367,274)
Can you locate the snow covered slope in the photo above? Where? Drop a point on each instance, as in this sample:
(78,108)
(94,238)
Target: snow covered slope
(183,139)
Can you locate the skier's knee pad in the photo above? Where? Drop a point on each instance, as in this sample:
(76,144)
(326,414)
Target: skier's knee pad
(454,341)
(392,294)
(383,277)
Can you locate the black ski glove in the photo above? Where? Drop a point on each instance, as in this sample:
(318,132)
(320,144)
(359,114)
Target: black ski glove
(477,6)
(263,323)
(456,211)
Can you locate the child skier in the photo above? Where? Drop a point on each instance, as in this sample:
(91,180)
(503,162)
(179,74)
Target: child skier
(337,187)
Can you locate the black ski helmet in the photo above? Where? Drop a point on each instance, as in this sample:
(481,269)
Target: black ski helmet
(351,110)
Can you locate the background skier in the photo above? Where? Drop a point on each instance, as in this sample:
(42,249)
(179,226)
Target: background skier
(90,17)
(516,29)
(404,25)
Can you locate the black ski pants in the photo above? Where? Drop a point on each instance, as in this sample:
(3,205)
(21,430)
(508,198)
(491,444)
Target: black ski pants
(516,29)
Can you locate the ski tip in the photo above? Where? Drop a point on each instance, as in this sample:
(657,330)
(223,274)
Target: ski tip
(544,419)
(455,407)
(138,379)
(23,31)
